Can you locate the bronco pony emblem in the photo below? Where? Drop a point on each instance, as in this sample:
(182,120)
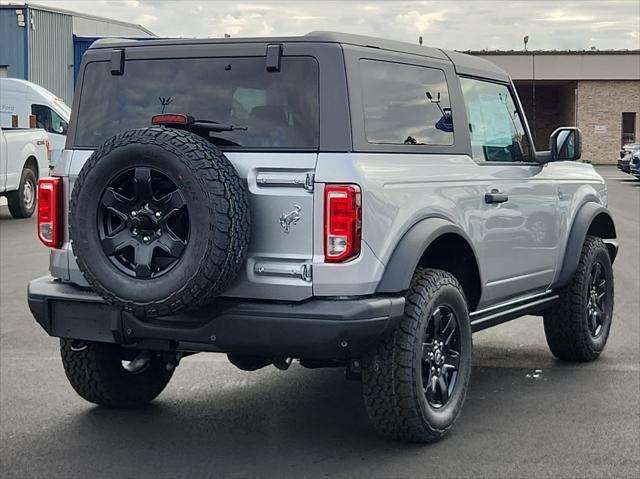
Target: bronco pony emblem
(291,218)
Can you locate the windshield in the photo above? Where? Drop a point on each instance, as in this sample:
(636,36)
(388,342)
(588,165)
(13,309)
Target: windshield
(63,110)
(278,109)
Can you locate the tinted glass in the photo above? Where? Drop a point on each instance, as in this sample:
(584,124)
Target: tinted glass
(405,104)
(43,116)
(279,109)
(497,131)
(47,119)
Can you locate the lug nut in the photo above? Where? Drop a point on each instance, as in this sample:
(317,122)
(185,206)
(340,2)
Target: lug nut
(134,213)
(145,239)
(134,231)
(157,214)
(433,369)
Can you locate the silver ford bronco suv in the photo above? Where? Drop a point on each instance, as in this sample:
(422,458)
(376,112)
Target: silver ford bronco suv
(335,199)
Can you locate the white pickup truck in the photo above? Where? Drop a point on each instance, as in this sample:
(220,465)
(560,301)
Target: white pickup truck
(24,156)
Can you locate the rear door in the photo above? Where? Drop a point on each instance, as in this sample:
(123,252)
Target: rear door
(273,145)
(280,251)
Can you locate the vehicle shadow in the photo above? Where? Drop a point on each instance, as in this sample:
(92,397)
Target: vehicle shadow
(295,424)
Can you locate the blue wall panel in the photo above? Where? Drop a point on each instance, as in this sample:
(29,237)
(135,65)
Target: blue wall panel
(80,45)
(13,50)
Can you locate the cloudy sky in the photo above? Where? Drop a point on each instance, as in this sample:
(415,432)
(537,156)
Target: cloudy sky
(461,25)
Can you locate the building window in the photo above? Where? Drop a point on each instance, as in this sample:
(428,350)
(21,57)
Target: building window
(628,127)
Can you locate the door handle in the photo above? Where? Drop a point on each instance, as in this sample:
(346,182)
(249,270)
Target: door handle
(495,197)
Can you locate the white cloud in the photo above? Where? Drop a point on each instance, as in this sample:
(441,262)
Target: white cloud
(253,7)
(420,21)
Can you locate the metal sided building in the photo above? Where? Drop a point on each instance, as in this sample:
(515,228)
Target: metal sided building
(44,45)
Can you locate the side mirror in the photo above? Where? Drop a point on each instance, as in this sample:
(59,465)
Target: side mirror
(64,126)
(566,144)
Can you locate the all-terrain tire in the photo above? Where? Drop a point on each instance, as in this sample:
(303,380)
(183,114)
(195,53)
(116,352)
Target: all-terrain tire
(392,376)
(566,323)
(19,203)
(218,214)
(96,373)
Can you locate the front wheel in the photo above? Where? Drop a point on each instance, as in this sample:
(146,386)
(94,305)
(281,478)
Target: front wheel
(577,325)
(415,382)
(110,375)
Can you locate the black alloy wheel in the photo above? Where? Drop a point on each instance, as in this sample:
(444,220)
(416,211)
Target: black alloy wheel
(415,380)
(162,207)
(143,223)
(441,356)
(597,300)
(577,325)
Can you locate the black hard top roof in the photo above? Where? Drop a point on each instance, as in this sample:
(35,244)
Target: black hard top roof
(464,64)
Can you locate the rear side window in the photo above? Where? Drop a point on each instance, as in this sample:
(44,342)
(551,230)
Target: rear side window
(405,104)
(497,131)
(278,109)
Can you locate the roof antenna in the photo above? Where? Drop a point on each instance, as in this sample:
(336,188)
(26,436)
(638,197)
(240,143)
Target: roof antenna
(526,40)
(420,40)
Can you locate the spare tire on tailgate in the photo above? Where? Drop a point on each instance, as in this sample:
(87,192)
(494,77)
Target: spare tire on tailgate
(159,221)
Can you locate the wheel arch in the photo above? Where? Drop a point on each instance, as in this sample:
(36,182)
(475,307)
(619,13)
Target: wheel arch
(592,219)
(430,243)
(32,163)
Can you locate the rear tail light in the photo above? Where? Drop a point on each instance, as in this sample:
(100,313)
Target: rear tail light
(49,190)
(342,222)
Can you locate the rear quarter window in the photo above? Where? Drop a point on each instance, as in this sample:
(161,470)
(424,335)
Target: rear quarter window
(279,109)
(405,104)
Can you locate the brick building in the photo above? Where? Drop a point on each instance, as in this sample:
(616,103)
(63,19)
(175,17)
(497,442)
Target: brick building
(596,90)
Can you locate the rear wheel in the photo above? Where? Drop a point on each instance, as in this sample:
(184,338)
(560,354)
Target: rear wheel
(415,382)
(22,202)
(578,324)
(110,375)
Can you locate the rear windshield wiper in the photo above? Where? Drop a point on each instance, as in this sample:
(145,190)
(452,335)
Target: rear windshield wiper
(215,126)
(175,119)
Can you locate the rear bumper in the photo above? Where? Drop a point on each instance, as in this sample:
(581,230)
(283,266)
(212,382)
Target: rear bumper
(314,329)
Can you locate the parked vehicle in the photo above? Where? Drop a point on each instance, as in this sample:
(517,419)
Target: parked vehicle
(24,155)
(23,98)
(337,199)
(626,153)
(634,164)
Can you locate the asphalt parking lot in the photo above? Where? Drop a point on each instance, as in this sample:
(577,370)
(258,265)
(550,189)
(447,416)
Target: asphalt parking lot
(568,420)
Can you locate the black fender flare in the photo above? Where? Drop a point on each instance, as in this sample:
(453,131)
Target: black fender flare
(584,219)
(406,256)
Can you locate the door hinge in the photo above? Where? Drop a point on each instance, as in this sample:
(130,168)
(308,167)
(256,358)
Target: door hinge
(303,271)
(306,272)
(309,182)
(286,179)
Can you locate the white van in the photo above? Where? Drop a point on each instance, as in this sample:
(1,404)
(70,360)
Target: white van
(23,98)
